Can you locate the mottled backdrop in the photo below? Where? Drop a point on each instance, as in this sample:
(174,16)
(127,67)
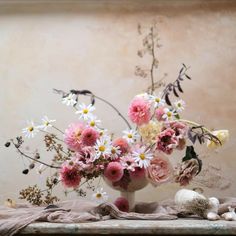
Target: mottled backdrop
(93,45)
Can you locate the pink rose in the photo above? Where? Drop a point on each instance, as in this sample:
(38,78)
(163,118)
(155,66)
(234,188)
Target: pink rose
(159,171)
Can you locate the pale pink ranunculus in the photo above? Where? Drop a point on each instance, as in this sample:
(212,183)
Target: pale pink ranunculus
(114,171)
(72,136)
(160,171)
(122,144)
(139,111)
(167,141)
(159,113)
(69,175)
(89,136)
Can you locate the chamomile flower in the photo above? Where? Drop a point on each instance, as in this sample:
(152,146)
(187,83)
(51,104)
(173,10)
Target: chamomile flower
(85,112)
(100,196)
(46,123)
(158,101)
(179,105)
(102,148)
(130,135)
(142,157)
(168,114)
(69,100)
(31,130)
(115,152)
(94,122)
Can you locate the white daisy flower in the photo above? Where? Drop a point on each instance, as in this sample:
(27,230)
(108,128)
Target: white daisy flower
(157,100)
(100,196)
(142,157)
(168,114)
(85,112)
(180,105)
(93,121)
(31,130)
(115,152)
(69,100)
(46,123)
(144,95)
(102,148)
(130,135)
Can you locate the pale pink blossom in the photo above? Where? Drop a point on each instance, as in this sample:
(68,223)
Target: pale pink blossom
(89,136)
(139,111)
(114,171)
(160,170)
(167,141)
(72,136)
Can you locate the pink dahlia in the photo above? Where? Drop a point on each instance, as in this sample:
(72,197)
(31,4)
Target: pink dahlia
(122,204)
(72,136)
(138,173)
(128,163)
(122,144)
(167,141)
(89,136)
(159,171)
(159,114)
(139,111)
(114,171)
(69,175)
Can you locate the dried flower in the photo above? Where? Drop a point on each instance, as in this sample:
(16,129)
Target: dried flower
(186,171)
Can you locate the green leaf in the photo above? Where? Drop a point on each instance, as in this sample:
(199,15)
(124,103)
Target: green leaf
(190,154)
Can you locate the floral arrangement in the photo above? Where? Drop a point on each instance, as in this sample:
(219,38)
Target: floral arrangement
(129,161)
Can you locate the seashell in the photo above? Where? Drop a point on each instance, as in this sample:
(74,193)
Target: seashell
(184,196)
(212,216)
(231,215)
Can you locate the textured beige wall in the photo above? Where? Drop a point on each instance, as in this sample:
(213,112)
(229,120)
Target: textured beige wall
(94,45)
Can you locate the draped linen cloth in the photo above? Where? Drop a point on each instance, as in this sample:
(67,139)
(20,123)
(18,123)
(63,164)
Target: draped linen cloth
(12,220)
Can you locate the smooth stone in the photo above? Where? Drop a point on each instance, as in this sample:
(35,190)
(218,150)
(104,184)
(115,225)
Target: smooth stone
(161,227)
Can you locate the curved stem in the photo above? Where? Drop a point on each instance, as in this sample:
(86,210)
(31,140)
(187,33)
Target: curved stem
(195,124)
(153,63)
(114,108)
(33,159)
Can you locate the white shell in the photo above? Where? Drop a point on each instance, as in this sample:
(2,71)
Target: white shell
(214,204)
(184,195)
(212,216)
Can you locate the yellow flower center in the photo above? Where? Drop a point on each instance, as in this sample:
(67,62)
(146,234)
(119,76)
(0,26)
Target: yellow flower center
(179,104)
(142,156)
(169,114)
(98,195)
(92,123)
(157,100)
(130,136)
(85,111)
(31,128)
(113,151)
(46,123)
(102,148)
